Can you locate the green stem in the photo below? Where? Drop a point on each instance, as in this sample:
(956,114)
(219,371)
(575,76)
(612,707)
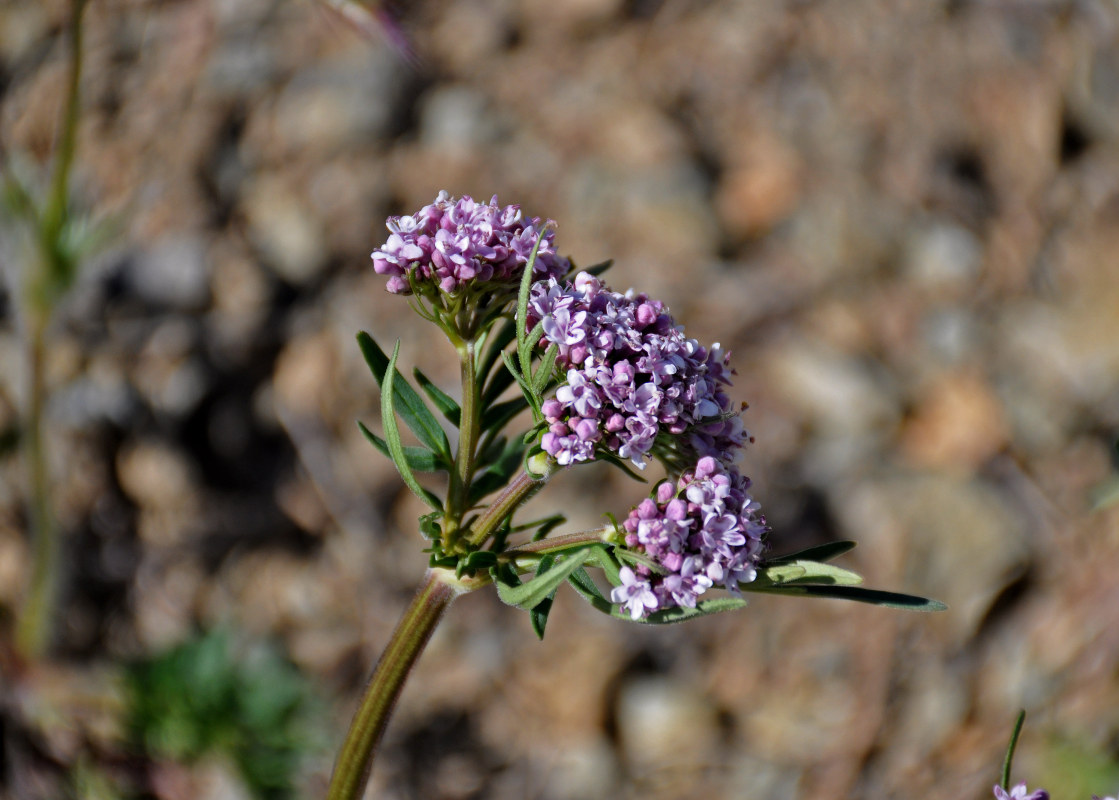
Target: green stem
(355,759)
(33,631)
(554,543)
(469,424)
(1011,748)
(519,490)
(34,626)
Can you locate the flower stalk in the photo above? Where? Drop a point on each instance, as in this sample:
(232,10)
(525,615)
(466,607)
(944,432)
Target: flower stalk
(34,628)
(556,544)
(608,376)
(465,456)
(520,490)
(355,759)
(55,273)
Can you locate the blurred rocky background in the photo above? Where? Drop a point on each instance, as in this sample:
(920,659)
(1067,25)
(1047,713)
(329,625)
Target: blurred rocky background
(902,217)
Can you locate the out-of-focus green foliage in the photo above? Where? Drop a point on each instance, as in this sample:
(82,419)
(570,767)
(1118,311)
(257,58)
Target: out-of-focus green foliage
(1078,769)
(204,697)
(87,782)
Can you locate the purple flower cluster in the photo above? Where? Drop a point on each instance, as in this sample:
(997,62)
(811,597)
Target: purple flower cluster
(703,531)
(453,243)
(631,374)
(1020,792)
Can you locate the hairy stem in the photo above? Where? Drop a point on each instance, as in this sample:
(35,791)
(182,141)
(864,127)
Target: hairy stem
(355,759)
(519,490)
(469,424)
(553,543)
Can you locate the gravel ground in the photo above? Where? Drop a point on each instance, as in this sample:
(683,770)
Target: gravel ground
(901,217)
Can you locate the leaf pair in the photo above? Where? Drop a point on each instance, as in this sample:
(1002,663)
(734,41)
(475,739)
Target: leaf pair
(499,469)
(801,574)
(795,574)
(570,565)
(422,459)
(585,586)
(398,397)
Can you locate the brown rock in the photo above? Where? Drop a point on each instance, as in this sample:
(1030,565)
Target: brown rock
(959,424)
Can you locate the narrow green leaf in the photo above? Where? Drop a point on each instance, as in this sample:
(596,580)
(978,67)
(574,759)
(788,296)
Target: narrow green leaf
(410,406)
(523,293)
(808,572)
(497,474)
(821,552)
(505,574)
(374,356)
(638,559)
(501,380)
(539,614)
(430,526)
(509,457)
(419,458)
(528,595)
(443,401)
(544,371)
(828,574)
(491,452)
(549,522)
(876,597)
(525,347)
(479,560)
(530,398)
(443,562)
(392,435)
(598,269)
(669,616)
(779,574)
(602,557)
(547,525)
(497,417)
(495,342)
(585,586)
(500,540)
(486,483)
(534,336)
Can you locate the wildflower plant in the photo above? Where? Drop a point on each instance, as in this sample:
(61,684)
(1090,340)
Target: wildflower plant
(38,211)
(607,376)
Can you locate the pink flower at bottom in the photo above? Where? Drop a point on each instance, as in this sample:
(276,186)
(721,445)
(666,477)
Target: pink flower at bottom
(1020,792)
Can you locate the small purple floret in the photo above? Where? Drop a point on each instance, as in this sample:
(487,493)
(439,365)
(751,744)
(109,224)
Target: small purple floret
(629,366)
(1020,792)
(453,244)
(635,595)
(703,531)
